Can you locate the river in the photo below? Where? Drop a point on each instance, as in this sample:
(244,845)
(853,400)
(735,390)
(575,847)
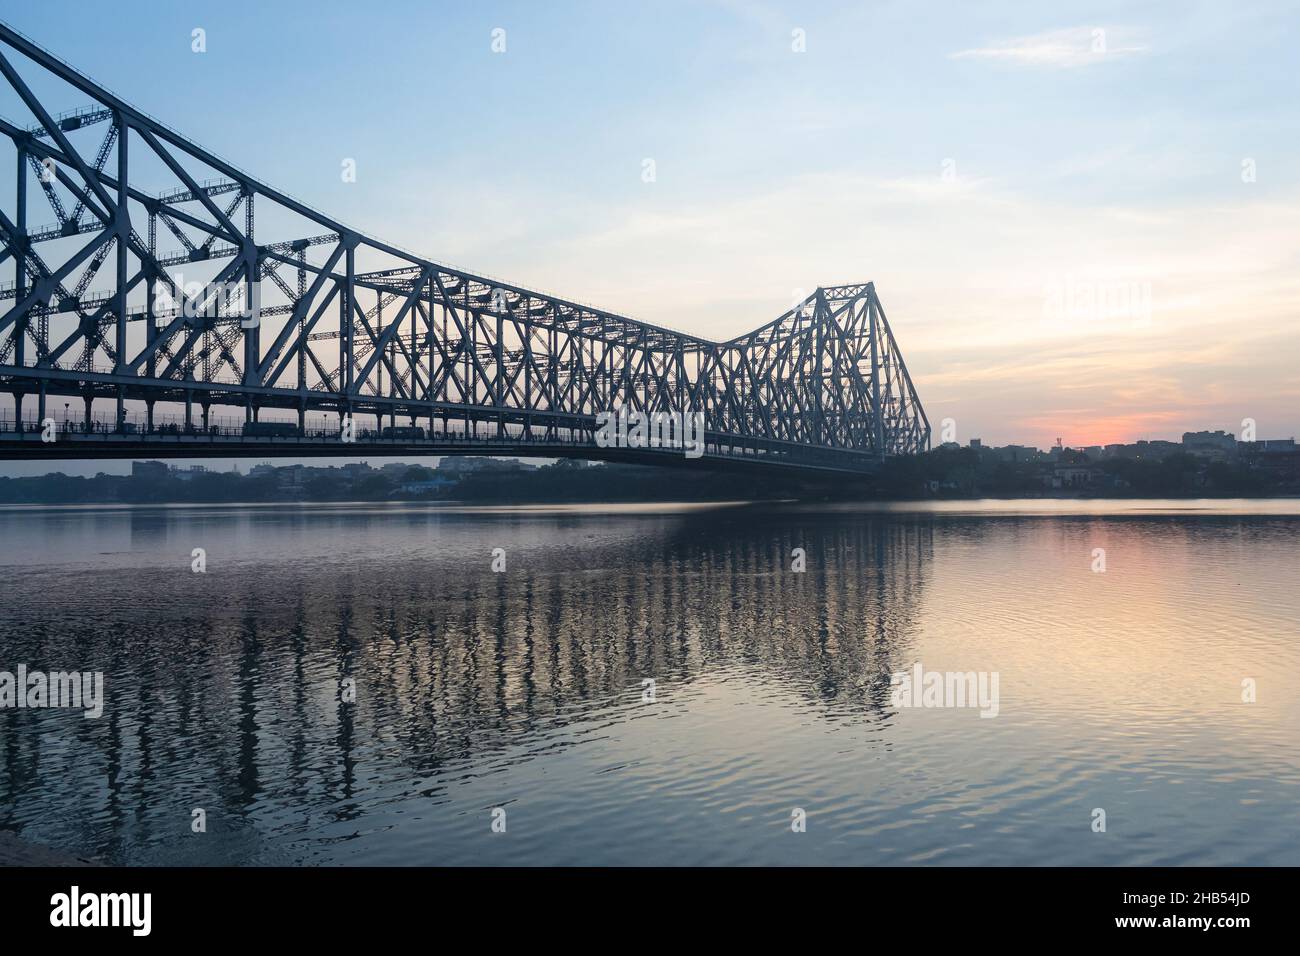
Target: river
(657,684)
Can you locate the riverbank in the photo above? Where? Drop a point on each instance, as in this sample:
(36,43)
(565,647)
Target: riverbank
(945,474)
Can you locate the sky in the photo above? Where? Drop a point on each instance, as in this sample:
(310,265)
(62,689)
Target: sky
(1083,220)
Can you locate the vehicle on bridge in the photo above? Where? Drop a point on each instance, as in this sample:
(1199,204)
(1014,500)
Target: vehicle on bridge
(270,430)
(409,432)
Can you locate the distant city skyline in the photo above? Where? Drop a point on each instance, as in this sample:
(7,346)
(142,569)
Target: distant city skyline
(1081,220)
(122,466)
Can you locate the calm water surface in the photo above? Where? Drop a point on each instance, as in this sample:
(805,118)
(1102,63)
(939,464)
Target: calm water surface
(523,690)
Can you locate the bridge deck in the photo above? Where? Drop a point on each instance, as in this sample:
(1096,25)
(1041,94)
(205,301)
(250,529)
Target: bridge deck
(73,442)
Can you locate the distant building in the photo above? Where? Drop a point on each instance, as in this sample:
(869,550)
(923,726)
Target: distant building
(290,478)
(1277,460)
(1278,464)
(1269,446)
(455,465)
(1019,453)
(1075,476)
(1220,444)
(189,474)
(976,443)
(1145,450)
(262,470)
(149,470)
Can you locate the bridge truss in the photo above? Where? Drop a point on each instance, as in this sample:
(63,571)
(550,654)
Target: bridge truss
(155,283)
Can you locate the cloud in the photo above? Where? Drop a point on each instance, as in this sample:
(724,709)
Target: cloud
(1076,46)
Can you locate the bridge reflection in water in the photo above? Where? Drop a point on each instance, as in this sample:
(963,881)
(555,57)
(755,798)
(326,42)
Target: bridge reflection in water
(224,687)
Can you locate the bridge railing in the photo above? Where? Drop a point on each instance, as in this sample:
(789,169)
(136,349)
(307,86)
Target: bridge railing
(34,436)
(234,427)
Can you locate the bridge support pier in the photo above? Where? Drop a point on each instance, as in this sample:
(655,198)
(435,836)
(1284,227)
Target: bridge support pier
(89,401)
(40,404)
(189,410)
(18,411)
(148,416)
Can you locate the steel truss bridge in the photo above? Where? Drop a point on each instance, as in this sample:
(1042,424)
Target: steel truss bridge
(152,293)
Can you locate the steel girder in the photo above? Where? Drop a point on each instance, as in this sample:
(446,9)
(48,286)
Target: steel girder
(348,324)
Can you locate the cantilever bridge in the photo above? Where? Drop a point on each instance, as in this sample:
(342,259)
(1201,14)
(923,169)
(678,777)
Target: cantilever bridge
(152,299)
